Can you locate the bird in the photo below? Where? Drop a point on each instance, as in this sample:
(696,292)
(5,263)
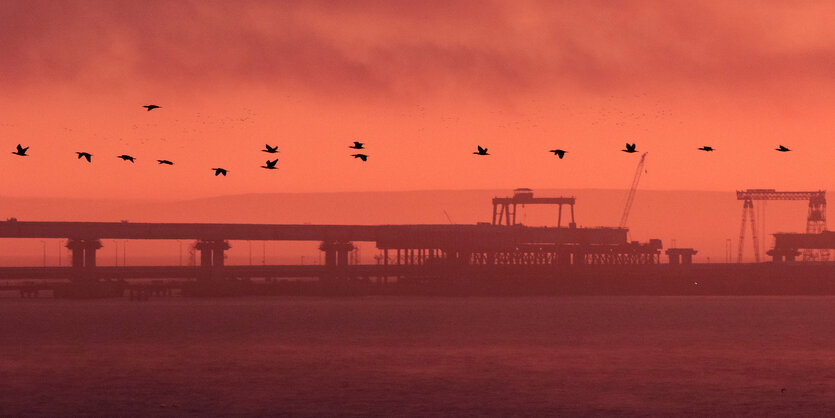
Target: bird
(357,145)
(630,148)
(782,149)
(151,107)
(269,149)
(270,165)
(706,148)
(219,171)
(481,151)
(558,152)
(360,156)
(165,162)
(21,151)
(126,157)
(86,155)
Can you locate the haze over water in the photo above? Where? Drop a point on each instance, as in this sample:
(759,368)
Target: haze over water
(647,356)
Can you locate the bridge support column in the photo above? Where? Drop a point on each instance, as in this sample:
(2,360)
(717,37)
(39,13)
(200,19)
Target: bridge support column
(211,257)
(77,257)
(90,247)
(336,257)
(83,257)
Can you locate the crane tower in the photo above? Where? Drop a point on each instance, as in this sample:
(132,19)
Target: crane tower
(815,219)
(631,196)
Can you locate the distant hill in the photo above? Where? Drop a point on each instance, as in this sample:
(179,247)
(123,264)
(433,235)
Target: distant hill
(698,219)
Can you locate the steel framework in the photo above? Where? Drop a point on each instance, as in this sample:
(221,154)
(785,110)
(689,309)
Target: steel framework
(815,219)
(504,208)
(631,196)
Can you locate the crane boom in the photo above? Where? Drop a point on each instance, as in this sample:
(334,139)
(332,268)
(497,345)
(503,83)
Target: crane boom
(631,196)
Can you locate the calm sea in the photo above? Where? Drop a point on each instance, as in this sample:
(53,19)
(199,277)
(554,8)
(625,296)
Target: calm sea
(601,356)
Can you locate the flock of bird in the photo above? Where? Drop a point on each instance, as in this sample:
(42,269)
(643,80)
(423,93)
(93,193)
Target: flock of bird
(271,164)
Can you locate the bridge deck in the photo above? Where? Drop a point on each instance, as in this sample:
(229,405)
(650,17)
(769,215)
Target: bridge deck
(386,236)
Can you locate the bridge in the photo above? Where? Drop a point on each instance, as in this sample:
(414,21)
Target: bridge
(406,246)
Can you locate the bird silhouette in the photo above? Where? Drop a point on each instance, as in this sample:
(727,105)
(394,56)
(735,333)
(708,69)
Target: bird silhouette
(270,165)
(630,148)
(151,107)
(360,156)
(166,162)
(782,149)
(269,149)
(21,151)
(126,157)
(219,171)
(481,151)
(357,145)
(706,148)
(558,152)
(86,155)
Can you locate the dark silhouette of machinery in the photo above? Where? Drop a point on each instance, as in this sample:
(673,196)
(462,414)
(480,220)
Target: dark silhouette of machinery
(815,219)
(631,196)
(504,208)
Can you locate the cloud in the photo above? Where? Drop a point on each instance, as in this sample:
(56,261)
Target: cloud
(385,48)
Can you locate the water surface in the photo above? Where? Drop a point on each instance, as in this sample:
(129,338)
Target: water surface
(646,356)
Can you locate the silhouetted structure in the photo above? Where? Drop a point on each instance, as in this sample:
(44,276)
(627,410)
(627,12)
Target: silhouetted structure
(630,197)
(438,251)
(787,246)
(680,255)
(815,219)
(504,208)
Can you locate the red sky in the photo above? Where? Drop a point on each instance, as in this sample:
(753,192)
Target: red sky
(422,83)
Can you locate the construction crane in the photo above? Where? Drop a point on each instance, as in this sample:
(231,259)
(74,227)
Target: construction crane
(815,219)
(632,190)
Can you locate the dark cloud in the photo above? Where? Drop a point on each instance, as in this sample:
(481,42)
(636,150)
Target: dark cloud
(407,47)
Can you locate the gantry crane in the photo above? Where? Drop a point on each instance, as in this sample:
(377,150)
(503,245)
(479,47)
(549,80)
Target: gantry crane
(815,219)
(631,196)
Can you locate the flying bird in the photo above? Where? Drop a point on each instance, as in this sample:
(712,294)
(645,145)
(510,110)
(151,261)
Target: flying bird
(166,162)
(21,151)
(151,107)
(782,149)
(706,148)
(269,149)
(126,158)
(357,145)
(630,148)
(270,165)
(219,171)
(360,156)
(558,152)
(481,151)
(86,155)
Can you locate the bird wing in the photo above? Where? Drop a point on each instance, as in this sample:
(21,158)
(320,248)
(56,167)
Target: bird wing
(560,153)
(88,157)
(480,149)
(364,157)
